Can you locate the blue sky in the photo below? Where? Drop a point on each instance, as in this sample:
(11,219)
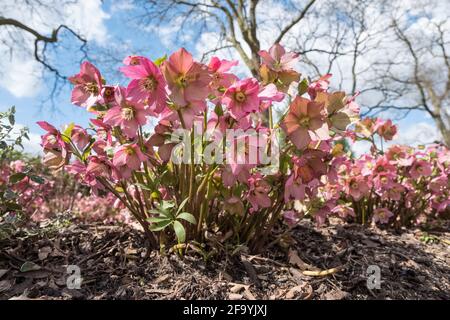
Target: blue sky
(116,28)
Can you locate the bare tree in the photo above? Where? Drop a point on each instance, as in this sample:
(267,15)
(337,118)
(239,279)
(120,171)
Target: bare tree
(19,35)
(235,22)
(427,76)
(355,40)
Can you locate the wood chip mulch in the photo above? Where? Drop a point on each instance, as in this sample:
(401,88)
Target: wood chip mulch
(329,262)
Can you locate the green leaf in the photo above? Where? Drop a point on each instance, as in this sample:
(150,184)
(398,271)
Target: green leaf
(13,206)
(9,194)
(159,61)
(16,177)
(302,87)
(37,179)
(67,133)
(182,204)
(187,216)
(179,231)
(160,226)
(11,119)
(157,219)
(29,266)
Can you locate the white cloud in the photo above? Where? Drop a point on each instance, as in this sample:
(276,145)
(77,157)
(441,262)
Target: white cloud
(20,72)
(31,146)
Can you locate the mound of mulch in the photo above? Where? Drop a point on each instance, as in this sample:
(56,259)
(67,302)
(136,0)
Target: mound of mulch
(312,263)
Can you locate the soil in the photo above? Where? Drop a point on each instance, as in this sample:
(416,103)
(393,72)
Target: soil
(311,262)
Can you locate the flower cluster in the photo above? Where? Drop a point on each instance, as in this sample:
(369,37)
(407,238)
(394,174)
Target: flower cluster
(239,198)
(38,195)
(402,186)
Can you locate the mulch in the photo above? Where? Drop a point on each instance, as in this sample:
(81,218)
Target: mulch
(329,262)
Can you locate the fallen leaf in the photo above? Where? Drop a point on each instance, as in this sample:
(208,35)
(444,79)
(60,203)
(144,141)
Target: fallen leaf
(295,260)
(44,252)
(29,266)
(3,272)
(5,285)
(336,295)
(235,296)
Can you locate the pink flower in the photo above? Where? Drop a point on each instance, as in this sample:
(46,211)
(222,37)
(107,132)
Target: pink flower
(129,155)
(18,165)
(386,129)
(220,77)
(187,80)
(291,217)
(420,168)
(382,215)
(128,114)
(241,98)
(320,85)
(394,192)
(306,122)
(344,211)
(277,59)
(88,85)
(357,187)
(80,137)
(53,138)
(148,84)
(258,194)
(133,60)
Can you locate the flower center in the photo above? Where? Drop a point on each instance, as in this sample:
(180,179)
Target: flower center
(354,185)
(129,151)
(419,169)
(304,122)
(239,96)
(149,83)
(128,113)
(91,87)
(181,81)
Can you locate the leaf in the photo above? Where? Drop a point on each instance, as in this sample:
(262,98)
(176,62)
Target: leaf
(11,119)
(157,219)
(182,205)
(340,121)
(37,179)
(159,61)
(187,217)
(302,87)
(160,226)
(179,231)
(9,194)
(16,177)
(29,266)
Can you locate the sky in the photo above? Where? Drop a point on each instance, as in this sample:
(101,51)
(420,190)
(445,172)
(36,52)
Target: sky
(112,25)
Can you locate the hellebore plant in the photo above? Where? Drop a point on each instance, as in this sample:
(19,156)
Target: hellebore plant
(212,168)
(401,186)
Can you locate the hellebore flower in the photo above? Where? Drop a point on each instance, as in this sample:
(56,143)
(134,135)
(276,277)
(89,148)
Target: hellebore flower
(241,98)
(148,84)
(386,129)
(306,122)
(129,155)
(80,137)
(258,194)
(382,215)
(320,85)
(277,59)
(187,80)
(420,168)
(88,85)
(357,187)
(127,114)
(220,77)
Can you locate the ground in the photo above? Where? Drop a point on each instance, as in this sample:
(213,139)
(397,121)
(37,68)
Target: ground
(314,263)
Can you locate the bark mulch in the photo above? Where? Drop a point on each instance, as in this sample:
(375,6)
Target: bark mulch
(309,263)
